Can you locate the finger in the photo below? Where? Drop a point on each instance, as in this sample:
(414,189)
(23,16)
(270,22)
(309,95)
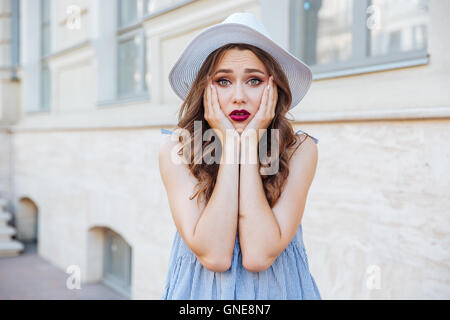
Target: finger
(211,97)
(218,113)
(264,99)
(205,98)
(270,104)
(215,101)
(210,109)
(205,101)
(275,97)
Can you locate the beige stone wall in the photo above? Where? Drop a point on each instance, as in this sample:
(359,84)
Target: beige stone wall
(4,163)
(72,22)
(84,179)
(9,101)
(73,82)
(380,202)
(9,91)
(5,33)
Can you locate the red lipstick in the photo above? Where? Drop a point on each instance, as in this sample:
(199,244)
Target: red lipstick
(239,115)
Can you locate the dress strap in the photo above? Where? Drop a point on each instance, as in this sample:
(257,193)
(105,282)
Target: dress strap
(165,131)
(315,139)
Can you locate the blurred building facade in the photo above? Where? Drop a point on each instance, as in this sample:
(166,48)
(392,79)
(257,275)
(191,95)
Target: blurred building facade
(84,93)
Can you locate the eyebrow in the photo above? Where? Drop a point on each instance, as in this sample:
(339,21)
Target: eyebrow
(247,70)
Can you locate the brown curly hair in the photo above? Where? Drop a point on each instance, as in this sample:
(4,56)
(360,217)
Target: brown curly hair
(192,110)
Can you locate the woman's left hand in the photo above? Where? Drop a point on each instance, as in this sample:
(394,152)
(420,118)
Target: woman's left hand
(266,111)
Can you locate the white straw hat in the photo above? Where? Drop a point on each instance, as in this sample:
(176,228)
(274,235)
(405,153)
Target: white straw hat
(240,27)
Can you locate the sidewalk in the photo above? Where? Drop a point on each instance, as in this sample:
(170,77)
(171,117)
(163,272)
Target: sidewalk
(28,276)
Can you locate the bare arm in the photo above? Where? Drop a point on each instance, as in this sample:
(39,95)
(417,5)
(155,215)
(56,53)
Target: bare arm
(265,232)
(215,231)
(210,232)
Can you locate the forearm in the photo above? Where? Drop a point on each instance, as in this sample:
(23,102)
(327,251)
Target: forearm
(215,231)
(258,227)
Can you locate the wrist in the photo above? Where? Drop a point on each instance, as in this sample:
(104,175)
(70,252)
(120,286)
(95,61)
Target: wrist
(253,133)
(249,149)
(230,149)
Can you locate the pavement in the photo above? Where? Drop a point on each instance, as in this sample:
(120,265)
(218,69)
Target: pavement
(30,277)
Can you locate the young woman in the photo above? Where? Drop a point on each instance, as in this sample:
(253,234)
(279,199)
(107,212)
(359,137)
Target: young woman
(241,238)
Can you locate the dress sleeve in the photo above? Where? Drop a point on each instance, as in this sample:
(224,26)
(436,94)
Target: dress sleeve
(315,139)
(165,131)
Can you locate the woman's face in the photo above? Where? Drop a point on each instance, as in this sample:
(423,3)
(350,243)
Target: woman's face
(240,78)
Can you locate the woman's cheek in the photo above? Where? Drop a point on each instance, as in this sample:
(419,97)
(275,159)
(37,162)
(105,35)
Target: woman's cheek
(220,98)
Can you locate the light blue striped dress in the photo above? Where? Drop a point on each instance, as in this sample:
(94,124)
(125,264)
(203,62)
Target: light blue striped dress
(288,278)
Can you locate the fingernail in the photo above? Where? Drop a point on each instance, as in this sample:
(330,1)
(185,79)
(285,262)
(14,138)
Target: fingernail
(211,86)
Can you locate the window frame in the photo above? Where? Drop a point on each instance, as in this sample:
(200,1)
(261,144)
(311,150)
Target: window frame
(15,41)
(124,33)
(45,91)
(122,285)
(142,63)
(360,62)
(132,24)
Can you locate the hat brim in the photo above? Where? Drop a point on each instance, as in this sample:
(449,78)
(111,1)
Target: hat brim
(186,68)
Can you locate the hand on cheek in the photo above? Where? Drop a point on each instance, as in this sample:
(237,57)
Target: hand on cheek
(266,111)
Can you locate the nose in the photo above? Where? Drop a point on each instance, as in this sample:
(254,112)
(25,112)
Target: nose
(239,94)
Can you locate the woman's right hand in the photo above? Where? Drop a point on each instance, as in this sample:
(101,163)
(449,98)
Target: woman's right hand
(215,117)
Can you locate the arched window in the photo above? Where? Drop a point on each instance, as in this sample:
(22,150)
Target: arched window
(26,222)
(117,263)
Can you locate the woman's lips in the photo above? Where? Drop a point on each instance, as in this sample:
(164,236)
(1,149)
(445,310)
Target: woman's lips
(239,118)
(239,115)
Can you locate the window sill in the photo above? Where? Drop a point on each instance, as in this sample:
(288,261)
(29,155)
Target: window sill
(399,114)
(144,98)
(67,50)
(41,111)
(371,69)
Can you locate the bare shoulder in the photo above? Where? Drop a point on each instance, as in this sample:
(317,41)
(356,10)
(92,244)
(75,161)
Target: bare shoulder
(167,149)
(167,143)
(305,149)
(172,166)
(306,142)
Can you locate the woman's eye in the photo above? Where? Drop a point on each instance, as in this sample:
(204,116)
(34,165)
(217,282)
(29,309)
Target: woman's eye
(220,81)
(259,81)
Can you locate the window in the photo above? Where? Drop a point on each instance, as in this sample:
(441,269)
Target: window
(403,27)
(353,36)
(131,11)
(131,49)
(155,7)
(131,62)
(15,38)
(45,51)
(117,263)
(45,86)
